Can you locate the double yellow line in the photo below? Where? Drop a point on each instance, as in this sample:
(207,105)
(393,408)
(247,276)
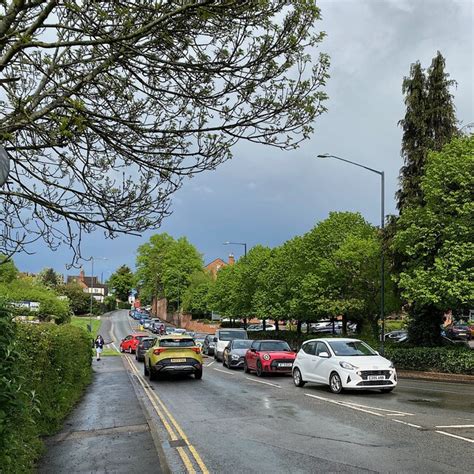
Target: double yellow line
(171,426)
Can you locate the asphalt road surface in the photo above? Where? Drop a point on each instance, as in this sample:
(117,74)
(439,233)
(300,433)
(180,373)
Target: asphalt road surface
(233,422)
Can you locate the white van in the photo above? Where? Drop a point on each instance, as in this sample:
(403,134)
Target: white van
(222,338)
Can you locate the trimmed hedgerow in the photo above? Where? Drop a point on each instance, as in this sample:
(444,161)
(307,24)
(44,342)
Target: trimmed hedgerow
(44,369)
(432,359)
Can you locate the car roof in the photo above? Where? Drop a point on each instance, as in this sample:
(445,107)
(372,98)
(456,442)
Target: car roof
(269,340)
(329,339)
(176,336)
(231,329)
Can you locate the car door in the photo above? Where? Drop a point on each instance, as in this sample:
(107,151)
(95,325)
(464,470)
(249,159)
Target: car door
(305,356)
(252,356)
(322,365)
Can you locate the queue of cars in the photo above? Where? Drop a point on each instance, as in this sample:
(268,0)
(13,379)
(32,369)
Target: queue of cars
(339,363)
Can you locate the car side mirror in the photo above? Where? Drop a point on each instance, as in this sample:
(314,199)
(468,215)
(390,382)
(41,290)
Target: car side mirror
(215,339)
(324,355)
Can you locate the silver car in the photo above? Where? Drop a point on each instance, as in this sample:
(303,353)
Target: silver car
(234,354)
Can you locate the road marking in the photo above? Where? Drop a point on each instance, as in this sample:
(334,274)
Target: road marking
(261,381)
(224,371)
(455,436)
(210,363)
(455,426)
(406,423)
(391,412)
(152,395)
(343,404)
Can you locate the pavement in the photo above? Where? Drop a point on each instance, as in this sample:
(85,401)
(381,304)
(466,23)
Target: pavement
(108,431)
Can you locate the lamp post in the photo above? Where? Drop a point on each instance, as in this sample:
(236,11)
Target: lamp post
(91,289)
(238,243)
(382,226)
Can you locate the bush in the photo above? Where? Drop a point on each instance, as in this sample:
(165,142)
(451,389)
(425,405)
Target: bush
(453,360)
(231,324)
(44,369)
(123,305)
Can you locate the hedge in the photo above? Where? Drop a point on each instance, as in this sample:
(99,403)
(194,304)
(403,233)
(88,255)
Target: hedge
(44,369)
(432,359)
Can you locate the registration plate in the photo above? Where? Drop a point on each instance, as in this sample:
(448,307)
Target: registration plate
(376,377)
(285,364)
(178,360)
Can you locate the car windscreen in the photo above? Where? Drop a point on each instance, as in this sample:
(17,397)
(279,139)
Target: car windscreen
(242,344)
(351,348)
(231,335)
(177,342)
(147,343)
(270,346)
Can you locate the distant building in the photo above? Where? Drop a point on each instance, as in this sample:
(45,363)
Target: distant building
(214,266)
(90,285)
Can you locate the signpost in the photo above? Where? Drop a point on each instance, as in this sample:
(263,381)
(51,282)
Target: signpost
(4,165)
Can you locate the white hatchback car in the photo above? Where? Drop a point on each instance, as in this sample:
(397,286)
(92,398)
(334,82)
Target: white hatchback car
(343,363)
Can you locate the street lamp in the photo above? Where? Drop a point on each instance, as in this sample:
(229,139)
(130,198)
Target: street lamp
(382,226)
(92,282)
(237,243)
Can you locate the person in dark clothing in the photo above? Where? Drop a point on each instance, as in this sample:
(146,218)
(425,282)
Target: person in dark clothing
(99,345)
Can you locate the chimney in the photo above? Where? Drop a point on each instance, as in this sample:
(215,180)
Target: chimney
(231,259)
(81,274)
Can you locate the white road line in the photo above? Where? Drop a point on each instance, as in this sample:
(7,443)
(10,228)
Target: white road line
(224,371)
(261,381)
(343,404)
(406,423)
(455,436)
(455,426)
(392,412)
(210,363)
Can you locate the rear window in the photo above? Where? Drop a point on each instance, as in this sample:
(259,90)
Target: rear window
(177,342)
(231,335)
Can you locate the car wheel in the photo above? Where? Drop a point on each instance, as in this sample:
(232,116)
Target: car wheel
(198,374)
(145,369)
(386,390)
(121,349)
(297,378)
(335,383)
(153,374)
(259,369)
(246,367)
(130,350)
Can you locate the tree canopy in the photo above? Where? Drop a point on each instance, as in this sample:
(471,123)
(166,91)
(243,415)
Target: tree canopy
(437,238)
(108,106)
(122,282)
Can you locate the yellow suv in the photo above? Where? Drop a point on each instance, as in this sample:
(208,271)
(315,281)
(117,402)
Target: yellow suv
(173,354)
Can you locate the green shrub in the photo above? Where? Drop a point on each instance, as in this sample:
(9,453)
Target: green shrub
(453,360)
(44,369)
(231,324)
(123,305)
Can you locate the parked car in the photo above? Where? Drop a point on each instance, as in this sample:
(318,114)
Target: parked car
(259,327)
(395,336)
(269,357)
(143,346)
(222,338)
(234,354)
(130,342)
(173,354)
(199,338)
(343,363)
(208,346)
(458,331)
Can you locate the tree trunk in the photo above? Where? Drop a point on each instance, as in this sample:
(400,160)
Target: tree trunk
(344,325)
(298,327)
(425,326)
(277,327)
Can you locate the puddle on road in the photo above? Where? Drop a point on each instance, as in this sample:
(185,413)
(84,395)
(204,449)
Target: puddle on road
(431,403)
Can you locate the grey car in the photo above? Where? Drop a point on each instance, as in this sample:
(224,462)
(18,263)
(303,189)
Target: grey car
(143,346)
(208,346)
(234,354)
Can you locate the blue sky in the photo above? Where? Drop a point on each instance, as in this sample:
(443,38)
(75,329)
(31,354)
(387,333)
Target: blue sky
(266,196)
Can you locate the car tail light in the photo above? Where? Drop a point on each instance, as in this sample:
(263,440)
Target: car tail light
(197,350)
(159,350)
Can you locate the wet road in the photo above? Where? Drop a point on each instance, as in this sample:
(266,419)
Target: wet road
(241,423)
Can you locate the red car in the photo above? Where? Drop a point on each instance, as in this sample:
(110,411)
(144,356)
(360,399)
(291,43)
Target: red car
(130,343)
(269,357)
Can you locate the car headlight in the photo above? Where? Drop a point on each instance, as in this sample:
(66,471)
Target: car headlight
(266,356)
(235,357)
(346,365)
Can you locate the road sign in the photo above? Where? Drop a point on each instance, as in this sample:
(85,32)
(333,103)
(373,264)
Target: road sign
(4,165)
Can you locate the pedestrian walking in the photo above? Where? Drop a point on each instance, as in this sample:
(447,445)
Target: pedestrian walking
(99,345)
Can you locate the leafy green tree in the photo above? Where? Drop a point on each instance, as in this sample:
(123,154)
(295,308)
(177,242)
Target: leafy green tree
(224,297)
(48,277)
(436,240)
(196,298)
(8,271)
(79,300)
(164,268)
(122,282)
(107,106)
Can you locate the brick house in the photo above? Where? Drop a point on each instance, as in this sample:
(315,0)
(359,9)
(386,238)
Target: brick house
(214,266)
(89,285)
